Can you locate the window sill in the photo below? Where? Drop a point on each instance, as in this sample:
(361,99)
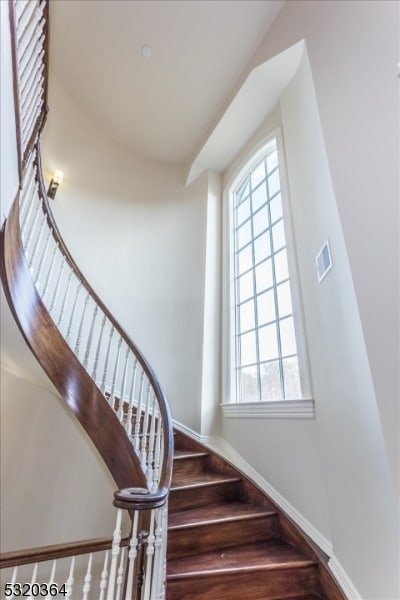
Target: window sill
(278,409)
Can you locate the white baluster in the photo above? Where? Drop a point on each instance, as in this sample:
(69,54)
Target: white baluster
(103,382)
(33,94)
(25,34)
(20,7)
(69,584)
(121,404)
(132,554)
(50,270)
(120,575)
(150,455)
(96,359)
(38,241)
(143,453)
(114,556)
(34,577)
(157,455)
(52,578)
(28,127)
(90,336)
(57,286)
(138,416)
(33,227)
(88,579)
(104,577)
(13,580)
(79,336)
(157,578)
(42,258)
(26,191)
(128,427)
(25,19)
(31,67)
(66,293)
(114,379)
(149,561)
(71,317)
(33,49)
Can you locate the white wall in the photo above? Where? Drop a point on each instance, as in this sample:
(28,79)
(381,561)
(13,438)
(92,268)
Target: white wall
(54,486)
(353,53)
(9,178)
(139,236)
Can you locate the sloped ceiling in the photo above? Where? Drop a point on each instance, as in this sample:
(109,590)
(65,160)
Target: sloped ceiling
(161,107)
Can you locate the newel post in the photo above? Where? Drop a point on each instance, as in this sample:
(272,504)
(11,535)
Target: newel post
(144,564)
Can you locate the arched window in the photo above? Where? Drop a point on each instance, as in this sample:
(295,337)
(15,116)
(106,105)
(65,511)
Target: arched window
(265,328)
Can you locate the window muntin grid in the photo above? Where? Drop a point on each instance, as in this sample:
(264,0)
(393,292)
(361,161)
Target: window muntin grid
(267,363)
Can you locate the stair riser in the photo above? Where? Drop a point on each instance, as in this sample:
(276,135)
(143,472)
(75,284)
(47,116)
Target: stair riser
(184,467)
(266,585)
(202,496)
(193,540)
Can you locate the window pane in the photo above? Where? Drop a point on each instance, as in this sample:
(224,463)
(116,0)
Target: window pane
(245,259)
(268,342)
(243,191)
(291,378)
(281,266)
(264,276)
(272,161)
(259,197)
(244,234)
(270,381)
(276,208)
(248,384)
(288,339)
(274,185)
(284,299)
(266,308)
(260,220)
(246,286)
(243,211)
(278,236)
(262,247)
(258,174)
(246,315)
(248,354)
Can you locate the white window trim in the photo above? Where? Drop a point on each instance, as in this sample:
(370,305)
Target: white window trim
(301,408)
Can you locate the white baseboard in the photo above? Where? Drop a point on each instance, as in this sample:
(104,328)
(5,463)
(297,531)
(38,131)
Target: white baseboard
(343,579)
(226,451)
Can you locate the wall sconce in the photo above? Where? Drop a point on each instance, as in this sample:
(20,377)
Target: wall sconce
(54,183)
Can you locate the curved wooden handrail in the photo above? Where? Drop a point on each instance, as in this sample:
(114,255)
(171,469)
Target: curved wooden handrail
(56,551)
(166,475)
(60,363)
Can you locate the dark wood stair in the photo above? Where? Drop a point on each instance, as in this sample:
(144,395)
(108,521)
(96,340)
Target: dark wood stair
(228,541)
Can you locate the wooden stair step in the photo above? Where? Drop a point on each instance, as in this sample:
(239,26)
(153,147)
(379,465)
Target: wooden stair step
(207,515)
(203,489)
(184,454)
(198,480)
(219,526)
(258,571)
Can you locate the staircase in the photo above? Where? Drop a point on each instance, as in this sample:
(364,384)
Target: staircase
(227,541)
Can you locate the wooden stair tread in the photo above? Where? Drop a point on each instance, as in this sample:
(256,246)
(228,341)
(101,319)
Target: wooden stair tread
(229,511)
(265,556)
(183,454)
(201,480)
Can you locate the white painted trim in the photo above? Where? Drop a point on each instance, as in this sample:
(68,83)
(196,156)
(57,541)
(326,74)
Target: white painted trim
(190,432)
(280,409)
(343,579)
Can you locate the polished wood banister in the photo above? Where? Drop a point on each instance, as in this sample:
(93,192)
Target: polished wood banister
(45,553)
(60,363)
(163,404)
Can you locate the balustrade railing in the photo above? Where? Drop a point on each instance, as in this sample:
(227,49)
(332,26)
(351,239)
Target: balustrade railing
(68,326)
